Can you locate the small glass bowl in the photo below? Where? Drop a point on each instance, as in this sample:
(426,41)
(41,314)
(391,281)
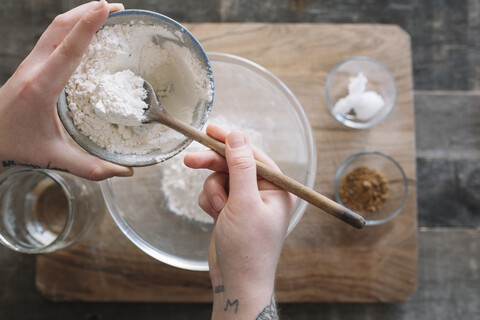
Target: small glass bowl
(394,175)
(380,80)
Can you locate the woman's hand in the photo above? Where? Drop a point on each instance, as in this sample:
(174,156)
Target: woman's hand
(30,131)
(251,220)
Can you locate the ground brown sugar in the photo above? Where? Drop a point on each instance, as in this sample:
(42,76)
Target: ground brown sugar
(364,190)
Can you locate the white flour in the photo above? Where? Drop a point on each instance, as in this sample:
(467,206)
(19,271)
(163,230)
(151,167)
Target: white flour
(182,185)
(119,98)
(106,107)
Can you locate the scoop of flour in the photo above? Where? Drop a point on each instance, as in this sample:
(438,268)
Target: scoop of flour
(119,98)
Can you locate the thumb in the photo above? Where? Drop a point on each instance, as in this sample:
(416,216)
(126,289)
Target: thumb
(87,166)
(63,61)
(241,167)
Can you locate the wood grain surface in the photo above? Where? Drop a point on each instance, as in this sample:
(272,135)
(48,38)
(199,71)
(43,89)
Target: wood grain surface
(323,259)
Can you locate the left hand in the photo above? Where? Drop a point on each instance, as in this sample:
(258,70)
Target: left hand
(30,131)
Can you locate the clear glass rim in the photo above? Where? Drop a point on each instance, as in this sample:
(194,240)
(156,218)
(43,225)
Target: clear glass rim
(200,265)
(138,240)
(342,167)
(308,133)
(67,192)
(350,123)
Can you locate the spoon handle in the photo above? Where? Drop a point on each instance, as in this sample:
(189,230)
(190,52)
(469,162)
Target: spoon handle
(275,177)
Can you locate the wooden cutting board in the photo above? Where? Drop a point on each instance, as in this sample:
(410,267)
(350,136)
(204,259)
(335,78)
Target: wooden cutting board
(323,259)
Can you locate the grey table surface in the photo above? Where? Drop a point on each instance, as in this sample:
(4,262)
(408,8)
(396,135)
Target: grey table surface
(446,63)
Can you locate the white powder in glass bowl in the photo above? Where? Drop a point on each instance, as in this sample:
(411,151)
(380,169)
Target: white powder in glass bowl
(105,93)
(182,185)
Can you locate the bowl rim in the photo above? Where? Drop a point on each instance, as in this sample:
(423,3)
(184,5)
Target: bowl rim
(342,167)
(154,157)
(198,265)
(350,123)
(308,133)
(11,243)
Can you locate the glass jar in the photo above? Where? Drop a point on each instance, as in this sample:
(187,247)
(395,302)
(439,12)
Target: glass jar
(43,210)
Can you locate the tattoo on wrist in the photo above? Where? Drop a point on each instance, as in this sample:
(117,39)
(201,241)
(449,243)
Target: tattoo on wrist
(11,163)
(219,289)
(269,312)
(232,306)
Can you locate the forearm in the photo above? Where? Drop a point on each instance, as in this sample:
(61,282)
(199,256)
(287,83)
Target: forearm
(257,303)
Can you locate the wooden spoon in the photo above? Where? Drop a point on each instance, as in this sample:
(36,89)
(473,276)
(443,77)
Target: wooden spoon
(156,113)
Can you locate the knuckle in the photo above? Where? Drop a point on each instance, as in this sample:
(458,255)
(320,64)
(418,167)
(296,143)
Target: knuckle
(242,163)
(61,21)
(67,49)
(202,201)
(87,25)
(96,174)
(30,86)
(209,182)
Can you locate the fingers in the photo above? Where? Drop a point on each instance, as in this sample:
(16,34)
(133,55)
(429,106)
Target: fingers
(207,159)
(213,161)
(112,7)
(57,30)
(87,166)
(63,61)
(62,25)
(217,132)
(213,197)
(241,167)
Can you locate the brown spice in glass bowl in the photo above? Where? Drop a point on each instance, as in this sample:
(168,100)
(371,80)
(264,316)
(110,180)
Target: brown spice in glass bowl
(364,190)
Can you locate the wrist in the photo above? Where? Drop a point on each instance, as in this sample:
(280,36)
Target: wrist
(243,302)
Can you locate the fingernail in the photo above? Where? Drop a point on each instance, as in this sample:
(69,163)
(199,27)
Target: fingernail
(125,172)
(236,139)
(217,202)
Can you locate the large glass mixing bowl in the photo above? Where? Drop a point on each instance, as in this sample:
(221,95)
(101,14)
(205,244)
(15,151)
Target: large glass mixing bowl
(249,98)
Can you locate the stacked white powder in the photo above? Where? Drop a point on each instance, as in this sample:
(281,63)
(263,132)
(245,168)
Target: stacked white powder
(119,98)
(365,104)
(105,94)
(182,185)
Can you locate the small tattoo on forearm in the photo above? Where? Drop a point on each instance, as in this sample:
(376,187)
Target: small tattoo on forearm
(269,312)
(219,289)
(10,163)
(231,305)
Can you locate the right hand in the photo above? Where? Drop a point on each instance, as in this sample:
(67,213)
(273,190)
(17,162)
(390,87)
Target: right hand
(251,221)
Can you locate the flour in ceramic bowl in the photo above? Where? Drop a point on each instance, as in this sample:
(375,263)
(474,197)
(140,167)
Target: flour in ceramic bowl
(119,98)
(105,94)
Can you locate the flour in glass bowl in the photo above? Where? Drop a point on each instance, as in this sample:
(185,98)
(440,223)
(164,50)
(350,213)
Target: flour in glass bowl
(182,185)
(105,94)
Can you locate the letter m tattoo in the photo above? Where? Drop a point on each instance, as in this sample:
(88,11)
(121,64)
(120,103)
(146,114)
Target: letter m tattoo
(231,305)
